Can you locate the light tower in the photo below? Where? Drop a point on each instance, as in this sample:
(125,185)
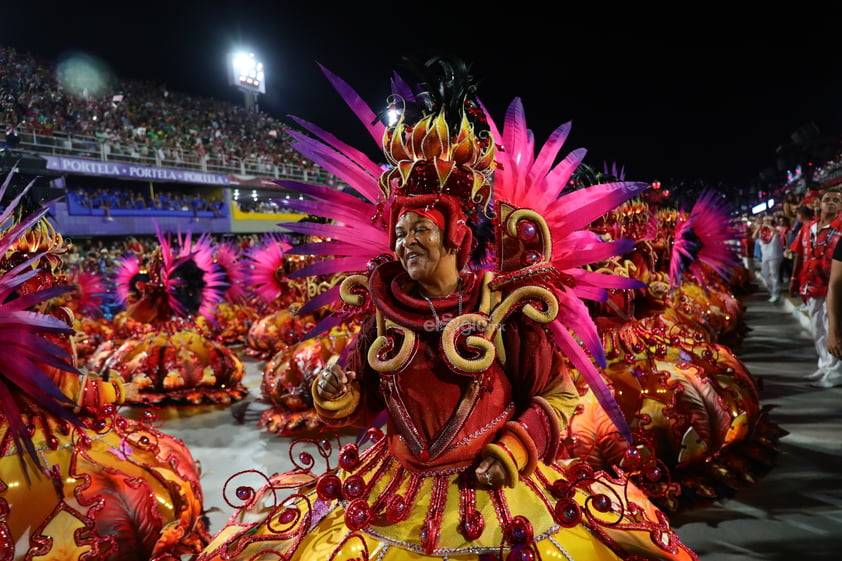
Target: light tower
(245,72)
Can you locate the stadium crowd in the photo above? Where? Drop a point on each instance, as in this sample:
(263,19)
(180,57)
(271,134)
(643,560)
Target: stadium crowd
(135,119)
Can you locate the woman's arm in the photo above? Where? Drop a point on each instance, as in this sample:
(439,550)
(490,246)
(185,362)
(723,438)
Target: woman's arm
(834,305)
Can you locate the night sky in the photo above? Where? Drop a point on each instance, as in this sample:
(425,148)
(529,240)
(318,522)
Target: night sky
(660,101)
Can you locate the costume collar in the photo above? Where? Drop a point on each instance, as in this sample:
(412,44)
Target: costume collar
(397,297)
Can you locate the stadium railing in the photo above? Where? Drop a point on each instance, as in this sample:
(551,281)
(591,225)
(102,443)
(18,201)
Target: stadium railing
(58,143)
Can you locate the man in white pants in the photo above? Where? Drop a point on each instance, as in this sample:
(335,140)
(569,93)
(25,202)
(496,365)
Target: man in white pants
(814,248)
(770,239)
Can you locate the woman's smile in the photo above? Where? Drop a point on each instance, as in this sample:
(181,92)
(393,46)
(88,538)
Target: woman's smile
(412,257)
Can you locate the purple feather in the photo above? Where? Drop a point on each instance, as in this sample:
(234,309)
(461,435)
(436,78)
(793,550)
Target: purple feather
(329,296)
(358,106)
(333,248)
(324,326)
(547,155)
(374,239)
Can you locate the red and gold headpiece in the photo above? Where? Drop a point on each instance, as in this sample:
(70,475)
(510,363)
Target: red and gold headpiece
(440,153)
(431,157)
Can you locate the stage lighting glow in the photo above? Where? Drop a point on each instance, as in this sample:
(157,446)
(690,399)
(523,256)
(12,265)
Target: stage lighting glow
(246,72)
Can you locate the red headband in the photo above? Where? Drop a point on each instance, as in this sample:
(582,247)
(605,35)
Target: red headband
(434,215)
(445,211)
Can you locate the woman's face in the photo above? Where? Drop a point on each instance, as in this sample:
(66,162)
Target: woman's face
(419,246)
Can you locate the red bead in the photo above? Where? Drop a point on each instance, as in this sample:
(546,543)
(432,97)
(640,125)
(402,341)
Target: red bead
(601,503)
(531,257)
(396,509)
(357,514)
(568,512)
(526,230)
(424,455)
(288,515)
(349,457)
(353,487)
(520,531)
(652,473)
(473,525)
(244,493)
(328,487)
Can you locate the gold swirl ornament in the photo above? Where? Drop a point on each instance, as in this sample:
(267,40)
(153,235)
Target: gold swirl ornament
(354,291)
(489,326)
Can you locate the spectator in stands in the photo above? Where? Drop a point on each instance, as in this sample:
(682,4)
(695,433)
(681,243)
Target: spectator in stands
(813,253)
(197,204)
(133,244)
(148,121)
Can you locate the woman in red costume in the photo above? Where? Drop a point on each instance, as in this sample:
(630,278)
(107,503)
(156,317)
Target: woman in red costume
(464,363)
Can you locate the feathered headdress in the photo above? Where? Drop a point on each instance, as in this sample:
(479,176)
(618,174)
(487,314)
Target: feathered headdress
(90,291)
(265,271)
(181,270)
(443,147)
(705,238)
(235,269)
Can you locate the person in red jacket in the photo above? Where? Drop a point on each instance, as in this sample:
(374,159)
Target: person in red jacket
(812,256)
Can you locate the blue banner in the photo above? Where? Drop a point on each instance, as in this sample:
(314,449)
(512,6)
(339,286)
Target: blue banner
(135,172)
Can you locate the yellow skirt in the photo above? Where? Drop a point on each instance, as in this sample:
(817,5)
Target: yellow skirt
(376,509)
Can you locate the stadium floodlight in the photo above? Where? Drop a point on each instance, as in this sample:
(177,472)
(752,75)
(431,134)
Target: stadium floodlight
(245,72)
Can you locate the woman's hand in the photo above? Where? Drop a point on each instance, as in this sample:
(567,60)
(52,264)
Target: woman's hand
(491,473)
(333,381)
